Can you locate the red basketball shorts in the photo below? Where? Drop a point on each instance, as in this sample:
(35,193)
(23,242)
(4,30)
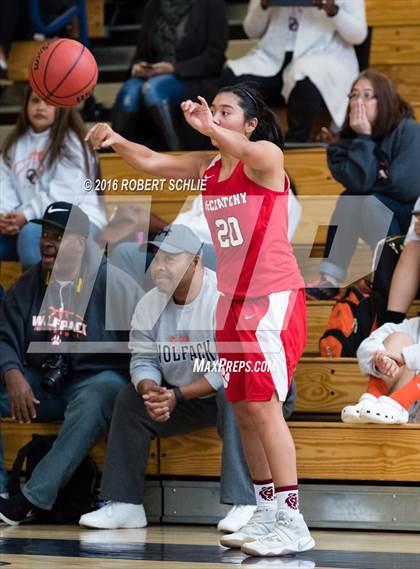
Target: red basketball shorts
(259,342)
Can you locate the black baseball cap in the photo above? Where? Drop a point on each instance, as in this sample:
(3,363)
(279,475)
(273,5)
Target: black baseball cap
(61,214)
(175,238)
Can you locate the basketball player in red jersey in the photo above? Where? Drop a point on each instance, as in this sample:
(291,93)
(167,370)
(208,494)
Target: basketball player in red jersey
(261,317)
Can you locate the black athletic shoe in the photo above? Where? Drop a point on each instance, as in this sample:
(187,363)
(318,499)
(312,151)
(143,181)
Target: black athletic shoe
(16,510)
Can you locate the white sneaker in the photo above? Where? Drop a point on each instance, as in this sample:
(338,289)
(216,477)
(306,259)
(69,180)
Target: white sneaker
(290,534)
(116,515)
(279,562)
(261,523)
(236,518)
(385,411)
(353,413)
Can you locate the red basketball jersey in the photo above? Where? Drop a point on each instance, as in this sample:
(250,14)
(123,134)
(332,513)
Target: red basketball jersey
(248,224)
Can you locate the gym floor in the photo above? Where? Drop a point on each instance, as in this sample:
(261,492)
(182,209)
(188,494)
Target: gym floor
(194,547)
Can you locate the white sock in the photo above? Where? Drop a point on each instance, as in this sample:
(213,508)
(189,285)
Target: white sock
(265,494)
(3,64)
(288,498)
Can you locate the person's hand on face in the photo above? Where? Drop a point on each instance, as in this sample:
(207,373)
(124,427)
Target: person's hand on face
(358,117)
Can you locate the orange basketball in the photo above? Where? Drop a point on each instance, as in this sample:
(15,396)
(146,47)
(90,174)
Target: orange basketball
(63,72)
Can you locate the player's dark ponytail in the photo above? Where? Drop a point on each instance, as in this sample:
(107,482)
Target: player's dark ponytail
(251,101)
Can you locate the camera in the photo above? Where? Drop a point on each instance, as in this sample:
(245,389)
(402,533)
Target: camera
(55,373)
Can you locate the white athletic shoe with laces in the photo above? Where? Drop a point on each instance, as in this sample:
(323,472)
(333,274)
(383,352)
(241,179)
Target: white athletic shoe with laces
(236,518)
(290,534)
(260,524)
(115,515)
(354,413)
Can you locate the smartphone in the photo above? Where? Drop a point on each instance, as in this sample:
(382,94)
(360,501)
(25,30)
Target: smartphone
(294,3)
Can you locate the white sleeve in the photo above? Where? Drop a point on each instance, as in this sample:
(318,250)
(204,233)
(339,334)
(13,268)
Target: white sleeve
(9,197)
(256,20)
(411,234)
(412,357)
(350,21)
(67,183)
(144,362)
(375,343)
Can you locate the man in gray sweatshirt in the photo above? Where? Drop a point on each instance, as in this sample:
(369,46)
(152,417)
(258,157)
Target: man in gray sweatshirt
(175,386)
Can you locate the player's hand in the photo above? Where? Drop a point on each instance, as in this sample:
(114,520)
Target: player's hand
(358,117)
(198,115)
(101,135)
(21,397)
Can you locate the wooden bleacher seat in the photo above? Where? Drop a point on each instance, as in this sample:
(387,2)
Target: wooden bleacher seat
(16,435)
(325,451)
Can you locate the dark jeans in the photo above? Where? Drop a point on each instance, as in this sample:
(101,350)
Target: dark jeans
(303,106)
(85,407)
(131,434)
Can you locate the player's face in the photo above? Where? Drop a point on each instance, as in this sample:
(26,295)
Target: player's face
(363,90)
(170,271)
(41,115)
(229,114)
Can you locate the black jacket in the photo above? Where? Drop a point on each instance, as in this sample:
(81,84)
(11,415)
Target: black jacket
(30,306)
(201,52)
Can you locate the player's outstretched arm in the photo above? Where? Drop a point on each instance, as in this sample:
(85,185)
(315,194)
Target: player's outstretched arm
(261,155)
(190,165)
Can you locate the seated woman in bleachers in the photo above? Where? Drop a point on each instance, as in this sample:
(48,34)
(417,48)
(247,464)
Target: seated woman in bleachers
(304,56)
(375,158)
(405,283)
(391,359)
(180,54)
(44,159)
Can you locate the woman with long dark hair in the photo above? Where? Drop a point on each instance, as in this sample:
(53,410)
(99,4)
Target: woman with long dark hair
(180,54)
(375,158)
(44,159)
(261,316)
